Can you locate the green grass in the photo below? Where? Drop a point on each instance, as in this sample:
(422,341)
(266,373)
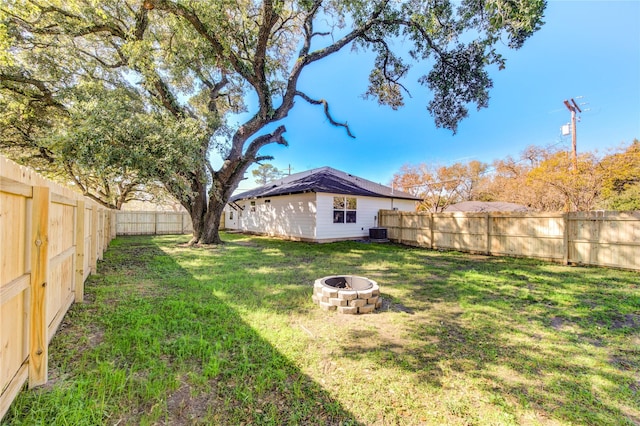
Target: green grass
(229,335)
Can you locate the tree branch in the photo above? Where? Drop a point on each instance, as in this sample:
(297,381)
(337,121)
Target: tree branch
(260,141)
(102,62)
(385,63)
(46,95)
(306,58)
(326,111)
(179,10)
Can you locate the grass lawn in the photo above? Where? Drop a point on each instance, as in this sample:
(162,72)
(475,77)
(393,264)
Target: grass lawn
(229,335)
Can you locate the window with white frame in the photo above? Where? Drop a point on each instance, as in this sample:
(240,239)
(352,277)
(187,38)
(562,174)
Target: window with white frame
(344,209)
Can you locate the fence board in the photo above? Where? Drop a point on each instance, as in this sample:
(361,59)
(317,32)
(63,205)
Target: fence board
(12,236)
(43,236)
(605,238)
(78,266)
(13,338)
(152,223)
(602,238)
(38,354)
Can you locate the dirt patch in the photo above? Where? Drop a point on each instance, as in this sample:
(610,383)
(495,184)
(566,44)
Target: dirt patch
(395,307)
(95,338)
(621,362)
(564,324)
(598,343)
(626,360)
(626,321)
(187,406)
(557,323)
(482,257)
(244,243)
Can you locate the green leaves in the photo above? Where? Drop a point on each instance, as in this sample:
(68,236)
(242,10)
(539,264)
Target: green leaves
(266,173)
(149,86)
(621,174)
(518,19)
(457,79)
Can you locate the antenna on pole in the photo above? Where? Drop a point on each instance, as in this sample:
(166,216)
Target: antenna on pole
(573,107)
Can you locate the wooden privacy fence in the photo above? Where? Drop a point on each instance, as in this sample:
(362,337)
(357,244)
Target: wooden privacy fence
(152,223)
(586,238)
(50,241)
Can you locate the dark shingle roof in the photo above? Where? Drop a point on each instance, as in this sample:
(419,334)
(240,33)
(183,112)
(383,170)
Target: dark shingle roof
(326,180)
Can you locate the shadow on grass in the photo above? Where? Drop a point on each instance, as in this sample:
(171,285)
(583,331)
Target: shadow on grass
(549,339)
(153,345)
(557,343)
(164,340)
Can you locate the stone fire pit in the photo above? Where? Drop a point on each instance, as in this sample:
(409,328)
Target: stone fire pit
(348,294)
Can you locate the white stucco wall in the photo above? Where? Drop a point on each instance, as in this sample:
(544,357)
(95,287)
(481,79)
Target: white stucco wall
(366,216)
(310,216)
(288,215)
(230,217)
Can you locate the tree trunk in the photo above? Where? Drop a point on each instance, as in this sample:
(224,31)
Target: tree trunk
(211,230)
(224,183)
(197,208)
(206,217)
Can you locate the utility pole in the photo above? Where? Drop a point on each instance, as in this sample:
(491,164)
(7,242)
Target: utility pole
(573,107)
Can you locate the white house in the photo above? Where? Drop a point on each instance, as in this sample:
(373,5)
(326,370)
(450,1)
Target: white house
(318,205)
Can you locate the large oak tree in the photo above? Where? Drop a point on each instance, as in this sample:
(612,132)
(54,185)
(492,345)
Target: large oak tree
(199,61)
(101,141)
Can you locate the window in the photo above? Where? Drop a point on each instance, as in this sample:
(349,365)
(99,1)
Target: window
(253,206)
(231,215)
(344,209)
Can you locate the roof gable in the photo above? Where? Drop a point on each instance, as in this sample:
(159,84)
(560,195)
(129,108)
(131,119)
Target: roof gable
(323,180)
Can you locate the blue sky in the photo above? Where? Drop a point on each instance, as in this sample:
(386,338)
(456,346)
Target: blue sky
(586,48)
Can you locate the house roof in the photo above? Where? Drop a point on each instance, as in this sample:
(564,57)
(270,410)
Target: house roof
(486,206)
(323,180)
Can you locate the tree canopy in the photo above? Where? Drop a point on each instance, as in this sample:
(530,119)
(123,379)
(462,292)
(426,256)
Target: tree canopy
(265,173)
(542,179)
(191,63)
(621,178)
(440,186)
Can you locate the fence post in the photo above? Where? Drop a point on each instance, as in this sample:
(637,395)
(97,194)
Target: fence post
(106,225)
(80,235)
(565,238)
(94,240)
(114,221)
(39,247)
(102,226)
(111,225)
(155,223)
(488,232)
(431,223)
